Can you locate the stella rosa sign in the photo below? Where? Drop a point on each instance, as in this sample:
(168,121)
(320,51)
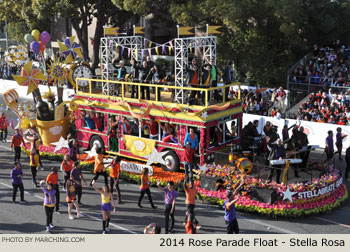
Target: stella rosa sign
(320,191)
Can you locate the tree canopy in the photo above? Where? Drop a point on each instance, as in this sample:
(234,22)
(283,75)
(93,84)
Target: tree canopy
(267,37)
(264,38)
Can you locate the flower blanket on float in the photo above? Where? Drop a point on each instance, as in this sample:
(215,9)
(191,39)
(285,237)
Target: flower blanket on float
(293,200)
(87,163)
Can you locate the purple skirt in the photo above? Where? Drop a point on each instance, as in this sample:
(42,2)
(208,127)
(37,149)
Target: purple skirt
(106,207)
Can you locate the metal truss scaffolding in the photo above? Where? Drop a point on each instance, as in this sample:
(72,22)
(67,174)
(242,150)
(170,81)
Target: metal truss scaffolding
(182,45)
(107,46)
(207,45)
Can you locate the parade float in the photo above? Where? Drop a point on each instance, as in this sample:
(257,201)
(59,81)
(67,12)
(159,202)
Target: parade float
(317,196)
(52,119)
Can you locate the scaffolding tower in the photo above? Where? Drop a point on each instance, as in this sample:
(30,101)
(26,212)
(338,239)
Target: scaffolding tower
(182,46)
(107,45)
(181,49)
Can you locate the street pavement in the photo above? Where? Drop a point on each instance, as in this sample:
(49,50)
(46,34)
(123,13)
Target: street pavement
(129,218)
(30,218)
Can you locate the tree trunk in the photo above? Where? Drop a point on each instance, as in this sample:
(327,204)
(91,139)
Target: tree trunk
(82,34)
(148,28)
(97,37)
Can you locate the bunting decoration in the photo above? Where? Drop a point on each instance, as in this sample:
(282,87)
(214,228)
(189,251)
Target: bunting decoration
(111,31)
(170,47)
(29,77)
(213,29)
(139,30)
(186,30)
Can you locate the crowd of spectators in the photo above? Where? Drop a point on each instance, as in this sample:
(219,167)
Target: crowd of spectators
(259,101)
(7,70)
(326,107)
(329,65)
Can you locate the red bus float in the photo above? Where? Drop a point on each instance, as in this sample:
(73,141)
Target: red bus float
(216,125)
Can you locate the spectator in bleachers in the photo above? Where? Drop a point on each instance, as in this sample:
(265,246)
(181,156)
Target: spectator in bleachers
(327,66)
(330,108)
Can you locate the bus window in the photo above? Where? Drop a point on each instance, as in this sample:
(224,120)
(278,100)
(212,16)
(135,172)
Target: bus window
(135,127)
(231,129)
(88,117)
(112,123)
(216,135)
(151,129)
(126,125)
(169,132)
(99,121)
(188,137)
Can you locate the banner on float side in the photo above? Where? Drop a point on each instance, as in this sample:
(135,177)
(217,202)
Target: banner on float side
(134,167)
(320,191)
(139,146)
(316,132)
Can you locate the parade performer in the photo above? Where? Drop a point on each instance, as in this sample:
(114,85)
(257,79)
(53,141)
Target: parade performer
(192,138)
(52,179)
(77,177)
(34,145)
(230,211)
(191,193)
(4,123)
(190,224)
(170,196)
(106,207)
(144,188)
(99,169)
(188,161)
(34,165)
(16,142)
(71,199)
(277,152)
(329,145)
(49,204)
(339,142)
(66,168)
(16,177)
(73,149)
(114,174)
